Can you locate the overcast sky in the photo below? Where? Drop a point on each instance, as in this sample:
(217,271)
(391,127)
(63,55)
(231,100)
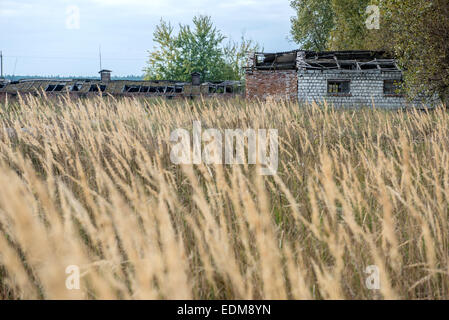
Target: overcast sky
(40,37)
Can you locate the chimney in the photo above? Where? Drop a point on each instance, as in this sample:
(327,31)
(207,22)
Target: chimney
(105,75)
(196,78)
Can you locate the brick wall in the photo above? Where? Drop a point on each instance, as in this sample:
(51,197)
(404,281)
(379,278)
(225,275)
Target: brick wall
(366,88)
(277,84)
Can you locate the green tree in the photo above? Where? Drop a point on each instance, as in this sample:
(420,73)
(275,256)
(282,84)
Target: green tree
(198,48)
(418,35)
(313,23)
(235,57)
(165,60)
(331,24)
(350,31)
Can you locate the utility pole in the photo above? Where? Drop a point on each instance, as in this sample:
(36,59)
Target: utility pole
(1,64)
(99,52)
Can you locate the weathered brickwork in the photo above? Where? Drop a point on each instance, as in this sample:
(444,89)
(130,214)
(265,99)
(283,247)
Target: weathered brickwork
(339,78)
(366,88)
(274,83)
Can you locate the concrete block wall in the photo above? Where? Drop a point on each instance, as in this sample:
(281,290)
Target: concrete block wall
(273,83)
(366,88)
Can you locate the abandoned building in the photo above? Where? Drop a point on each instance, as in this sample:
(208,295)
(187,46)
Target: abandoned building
(341,78)
(105,86)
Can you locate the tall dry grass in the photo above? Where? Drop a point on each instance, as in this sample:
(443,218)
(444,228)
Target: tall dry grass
(90,183)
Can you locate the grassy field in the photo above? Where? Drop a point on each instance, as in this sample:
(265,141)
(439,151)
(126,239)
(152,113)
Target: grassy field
(90,183)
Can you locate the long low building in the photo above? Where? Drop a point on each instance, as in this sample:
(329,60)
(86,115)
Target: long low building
(105,86)
(341,78)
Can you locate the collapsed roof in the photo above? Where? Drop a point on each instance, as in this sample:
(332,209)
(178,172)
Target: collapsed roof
(121,87)
(327,60)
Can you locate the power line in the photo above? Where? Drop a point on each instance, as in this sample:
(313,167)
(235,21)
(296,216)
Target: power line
(1,59)
(99,51)
(15,65)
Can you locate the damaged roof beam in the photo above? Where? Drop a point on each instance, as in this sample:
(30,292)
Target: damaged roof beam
(336,61)
(377,64)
